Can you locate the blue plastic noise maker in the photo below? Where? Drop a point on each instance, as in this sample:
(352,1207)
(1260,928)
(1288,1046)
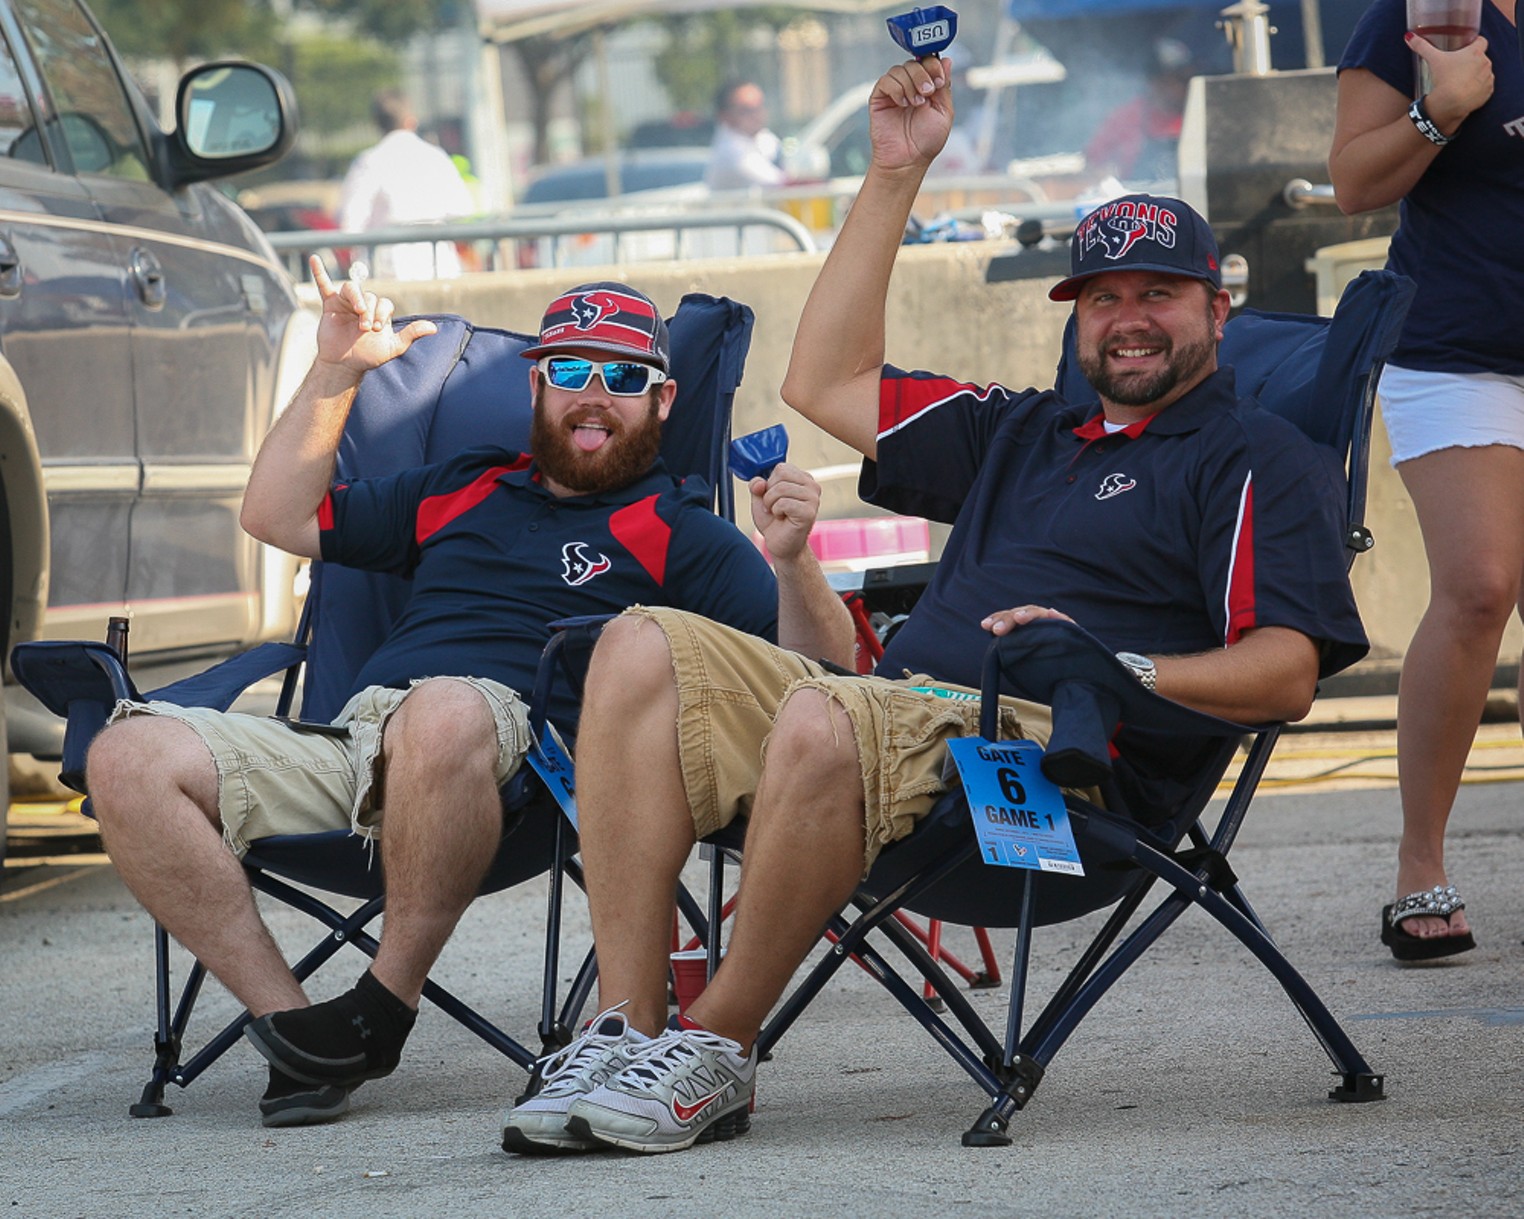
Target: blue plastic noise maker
(926,31)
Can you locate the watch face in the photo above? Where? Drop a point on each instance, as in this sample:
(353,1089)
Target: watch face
(1134,661)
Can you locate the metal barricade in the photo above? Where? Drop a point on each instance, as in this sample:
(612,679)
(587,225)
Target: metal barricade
(500,238)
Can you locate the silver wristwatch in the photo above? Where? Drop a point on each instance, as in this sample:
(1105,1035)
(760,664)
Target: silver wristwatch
(1140,667)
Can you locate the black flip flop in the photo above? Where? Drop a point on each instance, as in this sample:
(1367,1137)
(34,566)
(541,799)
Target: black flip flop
(1407,947)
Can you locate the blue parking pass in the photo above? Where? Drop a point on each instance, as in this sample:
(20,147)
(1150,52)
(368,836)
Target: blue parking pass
(548,760)
(1019,814)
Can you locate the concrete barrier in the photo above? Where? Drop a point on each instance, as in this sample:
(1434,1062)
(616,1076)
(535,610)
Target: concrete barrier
(942,316)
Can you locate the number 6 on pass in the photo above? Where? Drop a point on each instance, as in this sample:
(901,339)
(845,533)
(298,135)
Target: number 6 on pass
(1018,812)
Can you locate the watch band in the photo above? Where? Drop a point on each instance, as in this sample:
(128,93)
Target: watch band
(1141,667)
(1426,126)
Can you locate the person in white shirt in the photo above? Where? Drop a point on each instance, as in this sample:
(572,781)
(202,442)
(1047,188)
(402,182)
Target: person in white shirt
(744,153)
(403,179)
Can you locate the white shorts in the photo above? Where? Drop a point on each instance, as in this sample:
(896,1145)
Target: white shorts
(1428,411)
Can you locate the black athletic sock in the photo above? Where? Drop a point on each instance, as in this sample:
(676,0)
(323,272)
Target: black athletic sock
(357,1036)
(282,1085)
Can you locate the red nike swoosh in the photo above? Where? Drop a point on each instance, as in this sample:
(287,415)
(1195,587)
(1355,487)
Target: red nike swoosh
(686,1113)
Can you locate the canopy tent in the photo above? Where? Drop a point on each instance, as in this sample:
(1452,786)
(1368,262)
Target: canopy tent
(1315,23)
(510,20)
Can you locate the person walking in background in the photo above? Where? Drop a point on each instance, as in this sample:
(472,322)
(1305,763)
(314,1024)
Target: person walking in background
(403,179)
(744,153)
(1452,397)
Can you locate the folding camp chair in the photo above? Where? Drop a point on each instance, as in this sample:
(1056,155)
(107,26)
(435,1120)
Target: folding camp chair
(1321,374)
(464,386)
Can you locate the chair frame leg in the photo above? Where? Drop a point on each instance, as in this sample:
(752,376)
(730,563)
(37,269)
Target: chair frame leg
(343,929)
(1009,1073)
(1357,1081)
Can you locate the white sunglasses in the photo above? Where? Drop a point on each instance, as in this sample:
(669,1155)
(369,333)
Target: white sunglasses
(622,378)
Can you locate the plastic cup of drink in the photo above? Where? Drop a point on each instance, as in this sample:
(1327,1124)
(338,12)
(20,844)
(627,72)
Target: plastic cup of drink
(1448,24)
(690,974)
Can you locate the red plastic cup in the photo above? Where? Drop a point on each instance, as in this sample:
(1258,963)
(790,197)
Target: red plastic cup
(1448,24)
(690,974)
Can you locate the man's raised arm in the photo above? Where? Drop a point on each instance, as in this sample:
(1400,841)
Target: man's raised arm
(294,467)
(833,373)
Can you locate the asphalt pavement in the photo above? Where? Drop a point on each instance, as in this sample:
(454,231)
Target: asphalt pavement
(1192,1088)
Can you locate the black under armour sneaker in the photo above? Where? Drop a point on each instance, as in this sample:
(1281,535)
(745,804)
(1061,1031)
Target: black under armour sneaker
(289,1102)
(357,1036)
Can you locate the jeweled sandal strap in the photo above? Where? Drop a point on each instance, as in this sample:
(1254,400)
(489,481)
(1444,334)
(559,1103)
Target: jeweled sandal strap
(1440,902)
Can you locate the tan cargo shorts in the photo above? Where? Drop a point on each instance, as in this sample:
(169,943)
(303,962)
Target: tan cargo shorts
(730,686)
(275,779)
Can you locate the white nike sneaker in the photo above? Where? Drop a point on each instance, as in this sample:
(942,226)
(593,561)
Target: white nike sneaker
(538,1126)
(687,1086)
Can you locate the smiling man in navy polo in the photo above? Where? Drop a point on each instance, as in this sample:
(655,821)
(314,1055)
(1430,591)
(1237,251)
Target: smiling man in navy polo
(1197,535)
(498,545)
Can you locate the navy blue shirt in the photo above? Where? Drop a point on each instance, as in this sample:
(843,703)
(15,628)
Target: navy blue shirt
(494,557)
(1460,224)
(1175,536)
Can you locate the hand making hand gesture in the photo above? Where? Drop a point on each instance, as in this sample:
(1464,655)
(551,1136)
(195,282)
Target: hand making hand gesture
(355,330)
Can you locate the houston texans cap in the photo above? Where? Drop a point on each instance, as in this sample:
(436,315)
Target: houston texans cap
(605,316)
(1140,233)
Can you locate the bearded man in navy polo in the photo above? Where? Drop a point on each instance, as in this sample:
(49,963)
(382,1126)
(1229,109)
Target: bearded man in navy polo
(498,545)
(1198,536)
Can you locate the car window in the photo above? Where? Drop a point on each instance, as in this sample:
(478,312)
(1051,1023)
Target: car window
(94,116)
(18,126)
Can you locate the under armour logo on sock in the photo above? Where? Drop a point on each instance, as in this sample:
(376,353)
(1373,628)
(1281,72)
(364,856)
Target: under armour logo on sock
(359,1023)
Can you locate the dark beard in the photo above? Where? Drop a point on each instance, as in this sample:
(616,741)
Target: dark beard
(1185,362)
(625,456)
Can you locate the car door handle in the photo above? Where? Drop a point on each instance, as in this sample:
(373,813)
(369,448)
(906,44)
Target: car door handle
(10,270)
(148,275)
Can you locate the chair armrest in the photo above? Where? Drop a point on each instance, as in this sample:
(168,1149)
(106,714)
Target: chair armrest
(218,688)
(60,673)
(82,680)
(79,681)
(1090,691)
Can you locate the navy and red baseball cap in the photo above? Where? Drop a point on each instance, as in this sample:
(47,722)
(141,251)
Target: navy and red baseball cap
(1140,233)
(605,316)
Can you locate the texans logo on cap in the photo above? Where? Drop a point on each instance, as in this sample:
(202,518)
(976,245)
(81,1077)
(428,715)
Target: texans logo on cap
(604,317)
(1140,233)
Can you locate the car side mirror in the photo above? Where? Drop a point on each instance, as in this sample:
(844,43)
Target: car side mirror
(231,116)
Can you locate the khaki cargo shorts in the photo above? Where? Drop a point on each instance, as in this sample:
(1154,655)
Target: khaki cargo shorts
(730,686)
(274,779)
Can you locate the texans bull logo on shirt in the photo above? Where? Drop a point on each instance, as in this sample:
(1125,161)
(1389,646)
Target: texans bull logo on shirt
(1114,484)
(578,567)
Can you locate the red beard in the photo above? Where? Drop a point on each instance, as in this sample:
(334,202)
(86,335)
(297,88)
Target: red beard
(626,455)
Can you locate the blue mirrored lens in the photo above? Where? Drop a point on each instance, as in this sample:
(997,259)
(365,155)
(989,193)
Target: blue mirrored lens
(626,378)
(569,374)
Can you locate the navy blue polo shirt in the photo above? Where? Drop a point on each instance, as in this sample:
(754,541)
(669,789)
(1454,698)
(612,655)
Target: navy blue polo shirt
(494,557)
(1175,536)
(1458,235)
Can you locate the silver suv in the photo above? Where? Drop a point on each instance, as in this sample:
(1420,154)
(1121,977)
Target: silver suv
(146,333)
